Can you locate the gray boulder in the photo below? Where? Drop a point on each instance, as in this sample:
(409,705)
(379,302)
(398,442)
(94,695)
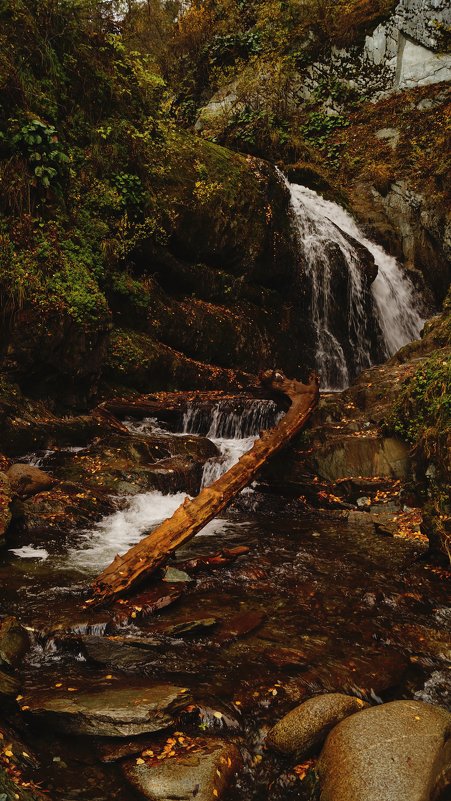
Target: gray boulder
(110,712)
(307,726)
(203,772)
(384,754)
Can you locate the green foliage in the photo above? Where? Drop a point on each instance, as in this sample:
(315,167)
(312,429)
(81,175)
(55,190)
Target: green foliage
(422,413)
(317,130)
(131,191)
(39,143)
(52,275)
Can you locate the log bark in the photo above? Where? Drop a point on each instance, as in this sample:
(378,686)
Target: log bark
(152,551)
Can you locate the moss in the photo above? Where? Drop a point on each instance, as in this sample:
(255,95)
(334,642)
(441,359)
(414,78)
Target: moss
(422,417)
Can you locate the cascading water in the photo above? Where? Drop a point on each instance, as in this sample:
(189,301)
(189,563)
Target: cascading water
(233,431)
(389,315)
(233,427)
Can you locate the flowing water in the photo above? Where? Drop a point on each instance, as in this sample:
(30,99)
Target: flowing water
(356,612)
(324,230)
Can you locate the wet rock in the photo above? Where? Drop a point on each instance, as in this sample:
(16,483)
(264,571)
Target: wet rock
(211,718)
(287,657)
(14,641)
(239,626)
(172,574)
(306,727)
(370,674)
(146,603)
(185,627)
(27,480)
(441,775)
(364,502)
(383,753)
(128,465)
(55,511)
(9,686)
(362,456)
(112,712)
(122,653)
(5,500)
(203,772)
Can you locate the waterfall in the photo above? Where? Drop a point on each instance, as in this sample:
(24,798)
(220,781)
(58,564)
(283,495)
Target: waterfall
(233,427)
(378,322)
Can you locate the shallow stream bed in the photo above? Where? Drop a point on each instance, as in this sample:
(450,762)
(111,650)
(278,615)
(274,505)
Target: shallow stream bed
(319,603)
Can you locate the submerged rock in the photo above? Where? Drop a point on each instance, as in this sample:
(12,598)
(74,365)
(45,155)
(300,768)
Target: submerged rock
(111,712)
(14,641)
(307,726)
(203,772)
(386,753)
(9,686)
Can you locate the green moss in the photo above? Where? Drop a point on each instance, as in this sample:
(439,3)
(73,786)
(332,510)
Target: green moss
(422,417)
(422,413)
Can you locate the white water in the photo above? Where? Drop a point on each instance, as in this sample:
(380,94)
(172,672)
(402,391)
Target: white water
(233,432)
(319,223)
(117,532)
(30,552)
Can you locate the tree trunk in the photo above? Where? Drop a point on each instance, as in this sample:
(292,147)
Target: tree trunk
(153,550)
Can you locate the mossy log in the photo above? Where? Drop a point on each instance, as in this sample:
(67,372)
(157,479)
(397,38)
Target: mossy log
(152,551)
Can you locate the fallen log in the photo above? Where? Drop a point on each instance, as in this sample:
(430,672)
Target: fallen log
(152,551)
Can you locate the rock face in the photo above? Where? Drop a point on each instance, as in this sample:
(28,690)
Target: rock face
(203,773)
(304,728)
(112,712)
(362,456)
(26,480)
(381,753)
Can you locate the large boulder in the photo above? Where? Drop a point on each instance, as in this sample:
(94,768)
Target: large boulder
(307,726)
(370,455)
(110,712)
(202,770)
(386,753)
(26,480)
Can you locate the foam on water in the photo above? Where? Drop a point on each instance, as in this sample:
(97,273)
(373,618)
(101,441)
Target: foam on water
(117,532)
(30,552)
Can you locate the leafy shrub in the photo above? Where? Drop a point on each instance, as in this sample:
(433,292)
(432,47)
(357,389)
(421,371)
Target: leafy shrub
(39,143)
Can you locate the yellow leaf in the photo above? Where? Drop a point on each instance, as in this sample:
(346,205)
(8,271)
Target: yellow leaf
(140,761)
(215,793)
(217,715)
(8,753)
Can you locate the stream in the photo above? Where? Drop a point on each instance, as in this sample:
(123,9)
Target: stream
(318,603)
